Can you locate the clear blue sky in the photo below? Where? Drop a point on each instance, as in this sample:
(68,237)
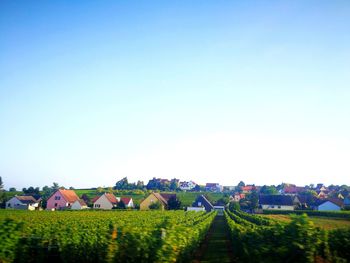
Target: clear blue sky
(210,91)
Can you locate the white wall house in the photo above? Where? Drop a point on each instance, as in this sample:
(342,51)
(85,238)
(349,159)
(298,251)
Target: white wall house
(105,201)
(187,186)
(328,206)
(278,202)
(277,207)
(79,205)
(22,203)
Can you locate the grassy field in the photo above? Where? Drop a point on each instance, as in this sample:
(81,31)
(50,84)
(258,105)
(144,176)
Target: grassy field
(322,222)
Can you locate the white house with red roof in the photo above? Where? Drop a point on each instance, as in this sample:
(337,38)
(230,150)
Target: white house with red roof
(61,199)
(106,201)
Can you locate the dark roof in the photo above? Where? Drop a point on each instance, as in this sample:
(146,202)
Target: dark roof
(278,200)
(211,185)
(168,196)
(204,202)
(26,199)
(307,199)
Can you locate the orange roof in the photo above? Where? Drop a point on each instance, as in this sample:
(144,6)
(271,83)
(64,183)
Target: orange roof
(69,195)
(111,198)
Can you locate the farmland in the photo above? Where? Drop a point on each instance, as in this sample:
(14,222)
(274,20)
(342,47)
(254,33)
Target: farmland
(319,221)
(262,239)
(101,236)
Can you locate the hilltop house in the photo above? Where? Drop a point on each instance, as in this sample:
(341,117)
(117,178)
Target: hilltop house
(278,202)
(248,189)
(202,201)
(23,203)
(61,199)
(162,199)
(213,187)
(187,186)
(292,189)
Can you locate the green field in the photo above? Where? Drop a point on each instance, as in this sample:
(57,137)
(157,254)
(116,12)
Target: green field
(322,222)
(101,236)
(284,238)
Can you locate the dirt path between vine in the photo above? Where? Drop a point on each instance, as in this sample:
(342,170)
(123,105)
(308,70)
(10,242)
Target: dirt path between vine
(217,246)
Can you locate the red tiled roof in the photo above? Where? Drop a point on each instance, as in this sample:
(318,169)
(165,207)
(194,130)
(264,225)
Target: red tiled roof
(69,195)
(125,200)
(95,199)
(248,188)
(111,198)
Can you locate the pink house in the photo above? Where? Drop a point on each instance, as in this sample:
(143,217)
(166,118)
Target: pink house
(61,199)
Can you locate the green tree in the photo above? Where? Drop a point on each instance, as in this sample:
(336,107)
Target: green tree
(12,189)
(99,190)
(173,184)
(55,187)
(253,200)
(268,190)
(121,205)
(174,203)
(155,206)
(234,206)
(241,184)
(122,184)
(31,190)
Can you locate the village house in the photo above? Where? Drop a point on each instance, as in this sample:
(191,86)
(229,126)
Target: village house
(346,202)
(213,187)
(106,201)
(23,203)
(236,197)
(278,202)
(201,201)
(128,202)
(61,199)
(328,205)
(79,205)
(248,189)
(292,190)
(160,198)
(187,186)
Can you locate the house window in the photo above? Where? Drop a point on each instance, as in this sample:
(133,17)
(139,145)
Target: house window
(272,206)
(279,206)
(97,205)
(199,203)
(57,198)
(55,204)
(8,205)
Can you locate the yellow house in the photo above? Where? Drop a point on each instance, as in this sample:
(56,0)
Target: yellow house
(153,198)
